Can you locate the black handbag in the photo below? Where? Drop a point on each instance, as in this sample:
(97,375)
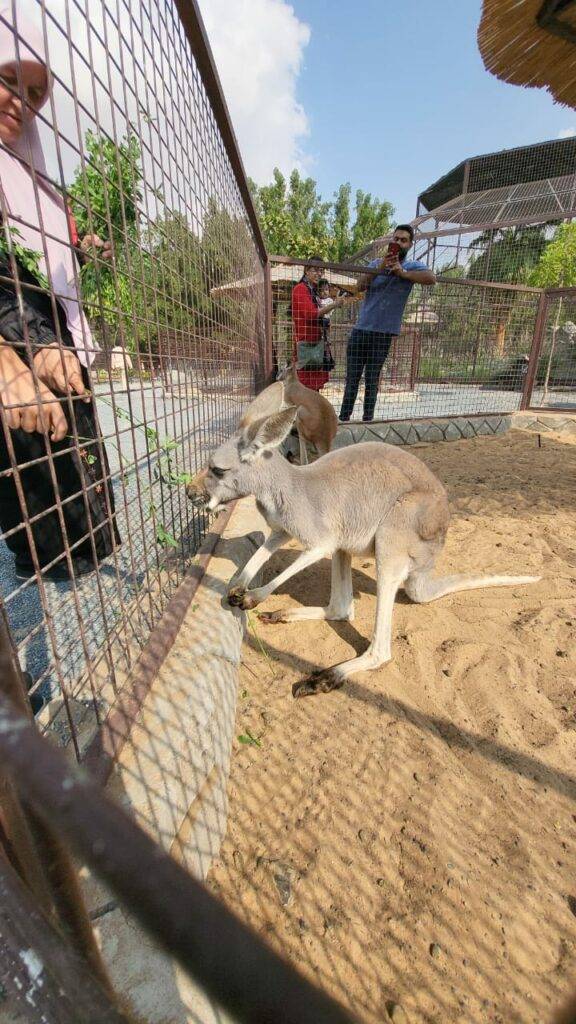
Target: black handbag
(328,363)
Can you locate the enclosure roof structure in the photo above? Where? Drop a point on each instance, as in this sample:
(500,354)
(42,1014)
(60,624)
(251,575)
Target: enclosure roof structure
(527,185)
(507,167)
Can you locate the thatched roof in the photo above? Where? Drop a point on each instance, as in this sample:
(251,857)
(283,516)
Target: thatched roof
(533,43)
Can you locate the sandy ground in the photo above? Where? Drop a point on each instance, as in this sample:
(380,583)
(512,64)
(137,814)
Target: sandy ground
(409,840)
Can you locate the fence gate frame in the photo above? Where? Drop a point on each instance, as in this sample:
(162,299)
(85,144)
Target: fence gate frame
(546,298)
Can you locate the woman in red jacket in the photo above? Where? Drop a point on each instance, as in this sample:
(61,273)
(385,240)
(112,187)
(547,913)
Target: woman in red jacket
(308,336)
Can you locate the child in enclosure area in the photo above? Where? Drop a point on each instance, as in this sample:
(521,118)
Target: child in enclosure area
(45,343)
(313,359)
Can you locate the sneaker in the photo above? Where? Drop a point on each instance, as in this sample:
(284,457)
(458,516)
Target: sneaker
(58,573)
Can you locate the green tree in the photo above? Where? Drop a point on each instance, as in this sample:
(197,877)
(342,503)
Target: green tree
(297,222)
(293,218)
(341,221)
(373,219)
(556,267)
(173,293)
(104,197)
(106,189)
(507,256)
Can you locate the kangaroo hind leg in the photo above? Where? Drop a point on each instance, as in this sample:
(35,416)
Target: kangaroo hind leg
(341,605)
(391,571)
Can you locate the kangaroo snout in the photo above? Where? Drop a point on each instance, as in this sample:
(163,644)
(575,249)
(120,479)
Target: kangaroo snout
(196,490)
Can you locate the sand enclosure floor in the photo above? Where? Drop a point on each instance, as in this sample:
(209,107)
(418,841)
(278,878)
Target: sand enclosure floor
(409,840)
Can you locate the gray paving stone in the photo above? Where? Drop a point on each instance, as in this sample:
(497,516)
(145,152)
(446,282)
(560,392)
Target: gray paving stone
(452,432)
(432,432)
(483,428)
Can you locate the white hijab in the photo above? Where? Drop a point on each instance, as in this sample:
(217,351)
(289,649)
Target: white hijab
(30,200)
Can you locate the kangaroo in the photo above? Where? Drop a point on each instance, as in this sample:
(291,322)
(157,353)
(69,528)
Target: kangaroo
(316,421)
(365,499)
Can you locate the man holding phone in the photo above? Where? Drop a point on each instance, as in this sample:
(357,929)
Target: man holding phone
(387,285)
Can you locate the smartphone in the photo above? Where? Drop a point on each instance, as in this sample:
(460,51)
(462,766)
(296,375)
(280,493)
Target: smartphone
(393,249)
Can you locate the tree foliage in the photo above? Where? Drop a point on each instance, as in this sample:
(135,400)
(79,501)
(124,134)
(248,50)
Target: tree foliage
(297,222)
(506,256)
(556,267)
(157,292)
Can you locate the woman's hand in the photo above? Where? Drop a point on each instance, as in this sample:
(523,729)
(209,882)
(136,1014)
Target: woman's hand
(59,369)
(94,242)
(26,407)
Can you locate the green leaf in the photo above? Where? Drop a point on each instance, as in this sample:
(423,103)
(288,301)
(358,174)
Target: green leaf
(249,739)
(165,538)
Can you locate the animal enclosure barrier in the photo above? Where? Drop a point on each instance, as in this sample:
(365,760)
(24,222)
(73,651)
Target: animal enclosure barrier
(134,150)
(503,221)
(138,313)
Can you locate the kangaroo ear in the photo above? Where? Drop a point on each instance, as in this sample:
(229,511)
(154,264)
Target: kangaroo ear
(267,433)
(267,402)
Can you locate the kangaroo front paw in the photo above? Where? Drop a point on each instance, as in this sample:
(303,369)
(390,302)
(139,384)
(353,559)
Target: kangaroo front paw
(322,681)
(239,597)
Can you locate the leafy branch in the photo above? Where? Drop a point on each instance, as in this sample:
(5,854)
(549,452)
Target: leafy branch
(27,258)
(164,471)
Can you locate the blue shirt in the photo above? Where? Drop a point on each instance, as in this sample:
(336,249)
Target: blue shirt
(386,298)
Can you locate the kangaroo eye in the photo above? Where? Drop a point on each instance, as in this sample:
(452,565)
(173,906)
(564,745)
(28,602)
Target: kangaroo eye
(217,472)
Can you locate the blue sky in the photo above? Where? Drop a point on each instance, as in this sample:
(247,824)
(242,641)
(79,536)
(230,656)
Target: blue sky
(395,94)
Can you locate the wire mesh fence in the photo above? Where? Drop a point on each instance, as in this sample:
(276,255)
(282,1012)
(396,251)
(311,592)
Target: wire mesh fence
(136,310)
(463,347)
(123,206)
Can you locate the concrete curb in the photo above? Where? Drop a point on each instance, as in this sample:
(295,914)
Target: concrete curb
(453,428)
(423,431)
(543,422)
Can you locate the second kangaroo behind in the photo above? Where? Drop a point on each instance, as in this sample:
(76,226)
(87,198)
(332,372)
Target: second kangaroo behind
(316,421)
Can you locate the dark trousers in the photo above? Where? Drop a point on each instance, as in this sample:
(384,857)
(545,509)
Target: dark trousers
(366,353)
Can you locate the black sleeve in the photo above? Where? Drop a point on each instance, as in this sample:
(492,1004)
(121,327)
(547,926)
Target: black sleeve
(33,321)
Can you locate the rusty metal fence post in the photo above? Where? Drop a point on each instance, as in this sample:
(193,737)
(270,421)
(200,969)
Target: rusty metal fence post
(268,320)
(44,976)
(535,350)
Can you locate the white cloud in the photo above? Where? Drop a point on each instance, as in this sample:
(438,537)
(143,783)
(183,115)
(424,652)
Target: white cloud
(258,47)
(567,133)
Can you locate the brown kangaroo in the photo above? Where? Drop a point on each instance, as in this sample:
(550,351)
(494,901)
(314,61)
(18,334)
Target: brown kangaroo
(316,421)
